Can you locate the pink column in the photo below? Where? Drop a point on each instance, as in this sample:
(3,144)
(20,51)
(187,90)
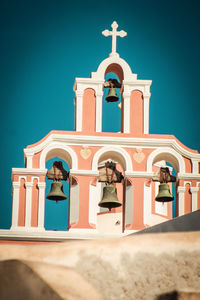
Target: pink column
(136,113)
(138,203)
(89,111)
(35,202)
(22,203)
(84,189)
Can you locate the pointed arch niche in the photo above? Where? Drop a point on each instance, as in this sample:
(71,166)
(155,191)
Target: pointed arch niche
(113,71)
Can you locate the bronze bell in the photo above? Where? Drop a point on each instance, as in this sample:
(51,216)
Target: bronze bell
(164,194)
(56,192)
(109,199)
(112,95)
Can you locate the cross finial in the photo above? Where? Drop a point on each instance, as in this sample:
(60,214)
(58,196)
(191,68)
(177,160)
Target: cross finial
(114,33)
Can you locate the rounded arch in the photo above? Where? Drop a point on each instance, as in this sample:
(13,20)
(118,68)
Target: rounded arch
(104,65)
(118,154)
(169,155)
(117,69)
(60,150)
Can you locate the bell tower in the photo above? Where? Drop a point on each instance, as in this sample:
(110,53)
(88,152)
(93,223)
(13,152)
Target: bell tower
(135,94)
(138,159)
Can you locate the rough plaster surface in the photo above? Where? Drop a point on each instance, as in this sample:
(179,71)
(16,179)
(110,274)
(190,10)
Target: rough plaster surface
(139,267)
(33,280)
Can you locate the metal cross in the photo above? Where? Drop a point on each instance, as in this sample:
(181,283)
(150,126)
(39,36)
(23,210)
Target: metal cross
(114,33)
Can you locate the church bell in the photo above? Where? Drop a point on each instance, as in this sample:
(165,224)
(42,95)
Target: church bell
(164,194)
(56,192)
(109,199)
(112,95)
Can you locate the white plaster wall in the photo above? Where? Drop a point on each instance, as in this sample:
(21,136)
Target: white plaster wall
(147,205)
(160,207)
(129,205)
(74,203)
(93,204)
(109,223)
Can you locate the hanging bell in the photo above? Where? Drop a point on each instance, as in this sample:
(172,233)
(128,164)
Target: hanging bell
(109,199)
(112,95)
(164,194)
(56,192)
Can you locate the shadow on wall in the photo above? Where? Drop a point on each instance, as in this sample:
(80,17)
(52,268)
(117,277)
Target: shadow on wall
(179,296)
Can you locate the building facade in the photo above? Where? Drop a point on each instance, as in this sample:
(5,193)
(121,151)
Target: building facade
(137,153)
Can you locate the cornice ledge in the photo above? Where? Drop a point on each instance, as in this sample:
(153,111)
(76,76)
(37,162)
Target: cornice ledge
(84,172)
(106,140)
(138,174)
(188,176)
(194,189)
(19,171)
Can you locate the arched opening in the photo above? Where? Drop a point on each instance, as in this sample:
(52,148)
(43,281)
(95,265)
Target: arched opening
(56,212)
(110,221)
(166,210)
(114,71)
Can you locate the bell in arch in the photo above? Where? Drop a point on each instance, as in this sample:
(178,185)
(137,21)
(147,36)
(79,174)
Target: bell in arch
(163,176)
(112,84)
(164,194)
(57,173)
(109,199)
(112,95)
(56,192)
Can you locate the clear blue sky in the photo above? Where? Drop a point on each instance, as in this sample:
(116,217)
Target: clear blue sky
(45,44)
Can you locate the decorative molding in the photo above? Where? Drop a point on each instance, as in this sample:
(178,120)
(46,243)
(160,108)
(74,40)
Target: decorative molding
(194,189)
(189,176)
(27,171)
(41,184)
(195,166)
(28,184)
(16,184)
(181,189)
(85,152)
(118,151)
(138,156)
(70,139)
(64,150)
(39,234)
(179,164)
(84,172)
(139,174)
